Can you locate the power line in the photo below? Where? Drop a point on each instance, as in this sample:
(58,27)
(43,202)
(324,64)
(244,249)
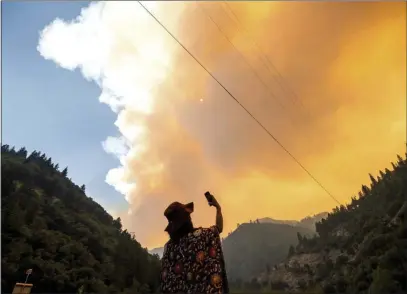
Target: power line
(268,61)
(244,108)
(263,58)
(241,54)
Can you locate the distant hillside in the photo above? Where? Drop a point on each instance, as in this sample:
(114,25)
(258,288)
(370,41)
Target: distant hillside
(308,222)
(361,247)
(255,247)
(72,244)
(268,220)
(159,251)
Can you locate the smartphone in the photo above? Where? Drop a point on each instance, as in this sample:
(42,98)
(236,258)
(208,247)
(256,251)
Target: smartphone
(208,196)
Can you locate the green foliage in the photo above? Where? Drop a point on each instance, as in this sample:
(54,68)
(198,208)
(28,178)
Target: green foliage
(254,246)
(72,244)
(371,233)
(382,282)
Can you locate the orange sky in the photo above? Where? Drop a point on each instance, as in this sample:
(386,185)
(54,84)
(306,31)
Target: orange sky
(345,62)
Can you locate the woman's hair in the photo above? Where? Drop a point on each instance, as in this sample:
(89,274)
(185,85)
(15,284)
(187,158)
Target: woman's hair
(183,230)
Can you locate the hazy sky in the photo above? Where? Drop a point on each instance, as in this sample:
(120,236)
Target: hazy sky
(336,101)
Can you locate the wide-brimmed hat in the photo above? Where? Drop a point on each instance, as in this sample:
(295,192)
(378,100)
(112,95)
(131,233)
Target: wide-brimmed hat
(176,214)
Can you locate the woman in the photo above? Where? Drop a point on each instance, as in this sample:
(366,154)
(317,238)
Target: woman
(193,259)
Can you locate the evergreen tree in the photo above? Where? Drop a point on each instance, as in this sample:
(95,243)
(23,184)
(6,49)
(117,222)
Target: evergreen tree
(22,152)
(291,251)
(299,237)
(71,243)
(372,179)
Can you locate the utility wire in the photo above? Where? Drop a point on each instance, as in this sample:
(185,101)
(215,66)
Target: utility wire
(267,87)
(237,101)
(262,55)
(268,62)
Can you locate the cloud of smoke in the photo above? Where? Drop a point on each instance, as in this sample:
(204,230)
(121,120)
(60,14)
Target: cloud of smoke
(339,108)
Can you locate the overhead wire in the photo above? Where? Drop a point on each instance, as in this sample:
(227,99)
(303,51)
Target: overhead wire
(267,87)
(267,60)
(241,105)
(268,63)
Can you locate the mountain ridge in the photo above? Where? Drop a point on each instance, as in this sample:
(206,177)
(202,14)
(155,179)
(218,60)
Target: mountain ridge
(360,247)
(253,247)
(307,222)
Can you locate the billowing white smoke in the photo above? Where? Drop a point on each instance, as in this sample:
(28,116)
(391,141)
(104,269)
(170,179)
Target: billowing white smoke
(123,49)
(120,47)
(181,134)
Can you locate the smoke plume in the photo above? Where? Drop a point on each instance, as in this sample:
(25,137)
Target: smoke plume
(327,79)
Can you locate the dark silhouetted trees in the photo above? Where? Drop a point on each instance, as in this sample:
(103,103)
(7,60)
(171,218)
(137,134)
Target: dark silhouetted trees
(72,244)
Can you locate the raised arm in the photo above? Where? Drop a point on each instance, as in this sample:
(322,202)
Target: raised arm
(219,217)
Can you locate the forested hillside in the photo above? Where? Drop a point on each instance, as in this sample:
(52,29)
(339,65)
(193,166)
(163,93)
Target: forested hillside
(159,251)
(307,222)
(72,244)
(255,247)
(361,247)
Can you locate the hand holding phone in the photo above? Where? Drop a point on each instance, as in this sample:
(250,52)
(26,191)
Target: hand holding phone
(211,199)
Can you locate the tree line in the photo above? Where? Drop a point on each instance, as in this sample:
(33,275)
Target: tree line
(71,243)
(370,233)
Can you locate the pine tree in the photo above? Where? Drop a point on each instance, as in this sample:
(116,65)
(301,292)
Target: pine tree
(400,160)
(299,237)
(49,162)
(22,152)
(117,223)
(374,182)
(65,172)
(5,148)
(291,251)
(365,190)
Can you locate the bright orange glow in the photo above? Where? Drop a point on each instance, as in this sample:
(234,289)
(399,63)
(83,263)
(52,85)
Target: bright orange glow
(344,61)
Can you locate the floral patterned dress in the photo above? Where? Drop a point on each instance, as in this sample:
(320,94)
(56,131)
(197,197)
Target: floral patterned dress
(195,264)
